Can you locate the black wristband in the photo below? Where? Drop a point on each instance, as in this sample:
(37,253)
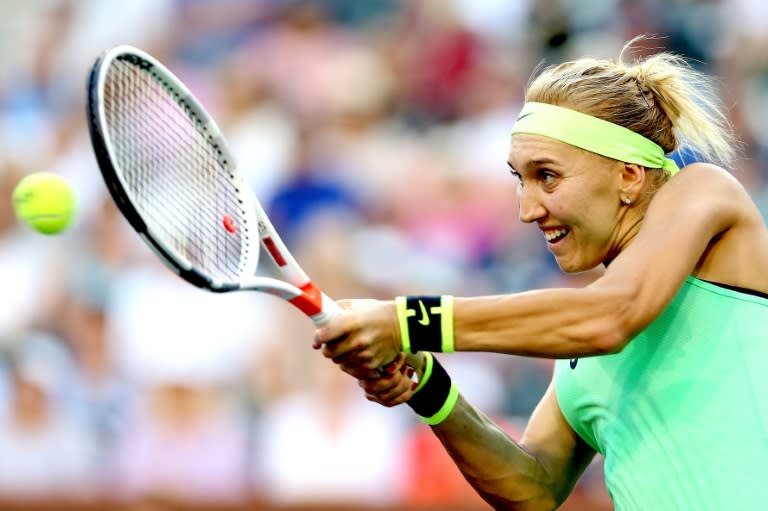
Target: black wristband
(434,401)
(426,323)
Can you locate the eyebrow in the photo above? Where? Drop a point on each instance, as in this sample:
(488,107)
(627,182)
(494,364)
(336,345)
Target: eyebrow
(533,163)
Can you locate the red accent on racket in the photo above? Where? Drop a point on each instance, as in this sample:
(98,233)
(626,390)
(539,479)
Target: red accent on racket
(229,224)
(271,247)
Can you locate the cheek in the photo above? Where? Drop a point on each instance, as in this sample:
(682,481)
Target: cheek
(564,209)
(591,221)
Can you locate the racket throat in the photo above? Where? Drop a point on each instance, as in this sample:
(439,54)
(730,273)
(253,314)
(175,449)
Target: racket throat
(310,301)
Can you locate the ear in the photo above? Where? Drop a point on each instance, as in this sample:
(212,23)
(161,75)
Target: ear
(632,182)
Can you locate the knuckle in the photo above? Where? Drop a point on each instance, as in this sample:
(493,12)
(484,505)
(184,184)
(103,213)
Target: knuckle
(344,303)
(362,341)
(403,399)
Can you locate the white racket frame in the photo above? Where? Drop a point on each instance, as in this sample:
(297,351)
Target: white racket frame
(296,288)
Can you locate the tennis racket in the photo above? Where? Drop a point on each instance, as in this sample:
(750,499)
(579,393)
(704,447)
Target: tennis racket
(168,169)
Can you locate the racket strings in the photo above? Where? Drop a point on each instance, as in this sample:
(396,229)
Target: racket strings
(173,171)
(181,206)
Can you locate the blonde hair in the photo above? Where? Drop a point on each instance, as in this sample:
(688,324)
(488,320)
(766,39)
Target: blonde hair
(660,97)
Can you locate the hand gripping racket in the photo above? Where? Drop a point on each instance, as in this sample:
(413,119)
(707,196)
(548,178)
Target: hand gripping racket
(168,169)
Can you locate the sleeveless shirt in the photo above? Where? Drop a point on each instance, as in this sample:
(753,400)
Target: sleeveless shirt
(680,415)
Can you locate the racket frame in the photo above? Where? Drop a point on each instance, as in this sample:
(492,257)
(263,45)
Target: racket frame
(297,288)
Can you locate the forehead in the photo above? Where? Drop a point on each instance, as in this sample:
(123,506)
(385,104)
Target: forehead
(525,149)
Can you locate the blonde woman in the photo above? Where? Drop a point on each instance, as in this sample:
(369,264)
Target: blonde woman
(661,361)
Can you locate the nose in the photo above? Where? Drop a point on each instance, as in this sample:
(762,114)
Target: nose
(530,208)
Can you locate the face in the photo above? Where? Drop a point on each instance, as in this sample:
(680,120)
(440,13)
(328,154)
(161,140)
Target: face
(574,198)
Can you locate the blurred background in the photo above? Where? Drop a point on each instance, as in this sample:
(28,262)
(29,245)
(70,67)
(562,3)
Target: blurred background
(375,132)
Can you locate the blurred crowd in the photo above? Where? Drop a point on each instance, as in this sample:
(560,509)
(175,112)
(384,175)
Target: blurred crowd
(375,132)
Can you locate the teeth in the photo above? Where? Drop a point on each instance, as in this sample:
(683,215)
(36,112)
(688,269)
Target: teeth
(556,234)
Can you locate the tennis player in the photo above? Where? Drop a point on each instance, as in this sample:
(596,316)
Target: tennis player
(661,362)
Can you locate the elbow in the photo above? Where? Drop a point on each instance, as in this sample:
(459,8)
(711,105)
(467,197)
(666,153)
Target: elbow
(608,342)
(540,503)
(613,331)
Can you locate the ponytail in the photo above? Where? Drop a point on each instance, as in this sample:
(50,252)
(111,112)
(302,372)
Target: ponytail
(660,97)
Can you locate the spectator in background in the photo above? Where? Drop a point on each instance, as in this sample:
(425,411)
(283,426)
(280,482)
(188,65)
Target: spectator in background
(314,445)
(183,442)
(46,448)
(397,111)
(184,436)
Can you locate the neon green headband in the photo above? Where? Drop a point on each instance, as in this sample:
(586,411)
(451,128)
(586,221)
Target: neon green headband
(593,134)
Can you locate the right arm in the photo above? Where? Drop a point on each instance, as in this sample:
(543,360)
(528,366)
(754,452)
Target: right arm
(536,474)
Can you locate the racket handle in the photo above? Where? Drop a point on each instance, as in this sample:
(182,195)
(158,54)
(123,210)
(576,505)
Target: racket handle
(330,309)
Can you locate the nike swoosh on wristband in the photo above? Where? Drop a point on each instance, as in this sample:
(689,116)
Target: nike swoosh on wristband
(424,316)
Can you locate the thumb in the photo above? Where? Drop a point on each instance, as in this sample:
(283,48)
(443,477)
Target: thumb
(334,330)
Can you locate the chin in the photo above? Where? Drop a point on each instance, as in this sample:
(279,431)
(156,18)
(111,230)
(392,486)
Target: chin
(574,267)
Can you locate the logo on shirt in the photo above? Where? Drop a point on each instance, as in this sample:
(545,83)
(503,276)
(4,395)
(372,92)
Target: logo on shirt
(573,363)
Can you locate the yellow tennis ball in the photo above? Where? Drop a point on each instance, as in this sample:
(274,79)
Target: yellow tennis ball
(46,202)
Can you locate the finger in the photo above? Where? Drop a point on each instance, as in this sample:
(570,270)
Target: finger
(363,355)
(350,356)
(375,399)
(349,351)
(401,366)
(390,390)
(402,393)
(333,348)
(360,355)
(360,373)
(395,365)
(397,396)
(381,385)
(335,328)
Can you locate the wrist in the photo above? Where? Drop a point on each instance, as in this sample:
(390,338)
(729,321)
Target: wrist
(418,362)
(425,323)
(436,394)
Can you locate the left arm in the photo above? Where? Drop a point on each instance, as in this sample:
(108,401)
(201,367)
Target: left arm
(682,219)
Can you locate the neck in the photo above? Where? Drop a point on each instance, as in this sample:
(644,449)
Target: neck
(629,226)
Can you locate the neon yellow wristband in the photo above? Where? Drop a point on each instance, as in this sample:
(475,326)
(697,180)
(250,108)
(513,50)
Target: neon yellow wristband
(428,363)
(446,324)
(446,409)
(401,309)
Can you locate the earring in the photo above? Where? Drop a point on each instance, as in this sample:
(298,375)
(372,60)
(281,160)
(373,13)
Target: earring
(627,201)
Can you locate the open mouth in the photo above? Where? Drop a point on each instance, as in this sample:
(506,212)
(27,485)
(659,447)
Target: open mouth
(556,235)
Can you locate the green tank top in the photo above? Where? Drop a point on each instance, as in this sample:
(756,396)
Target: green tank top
(681,414)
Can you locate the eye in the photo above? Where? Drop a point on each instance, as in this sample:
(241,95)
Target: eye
(547,176)
(517,176)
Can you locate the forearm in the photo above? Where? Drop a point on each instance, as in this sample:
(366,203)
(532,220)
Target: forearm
(499,469)
(552,323)
(502,471)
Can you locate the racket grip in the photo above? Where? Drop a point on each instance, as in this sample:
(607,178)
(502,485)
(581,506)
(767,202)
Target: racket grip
(329,310)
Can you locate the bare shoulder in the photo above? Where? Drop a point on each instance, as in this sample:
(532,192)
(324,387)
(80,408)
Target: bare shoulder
(702,176)
(706,175)
(706,188)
